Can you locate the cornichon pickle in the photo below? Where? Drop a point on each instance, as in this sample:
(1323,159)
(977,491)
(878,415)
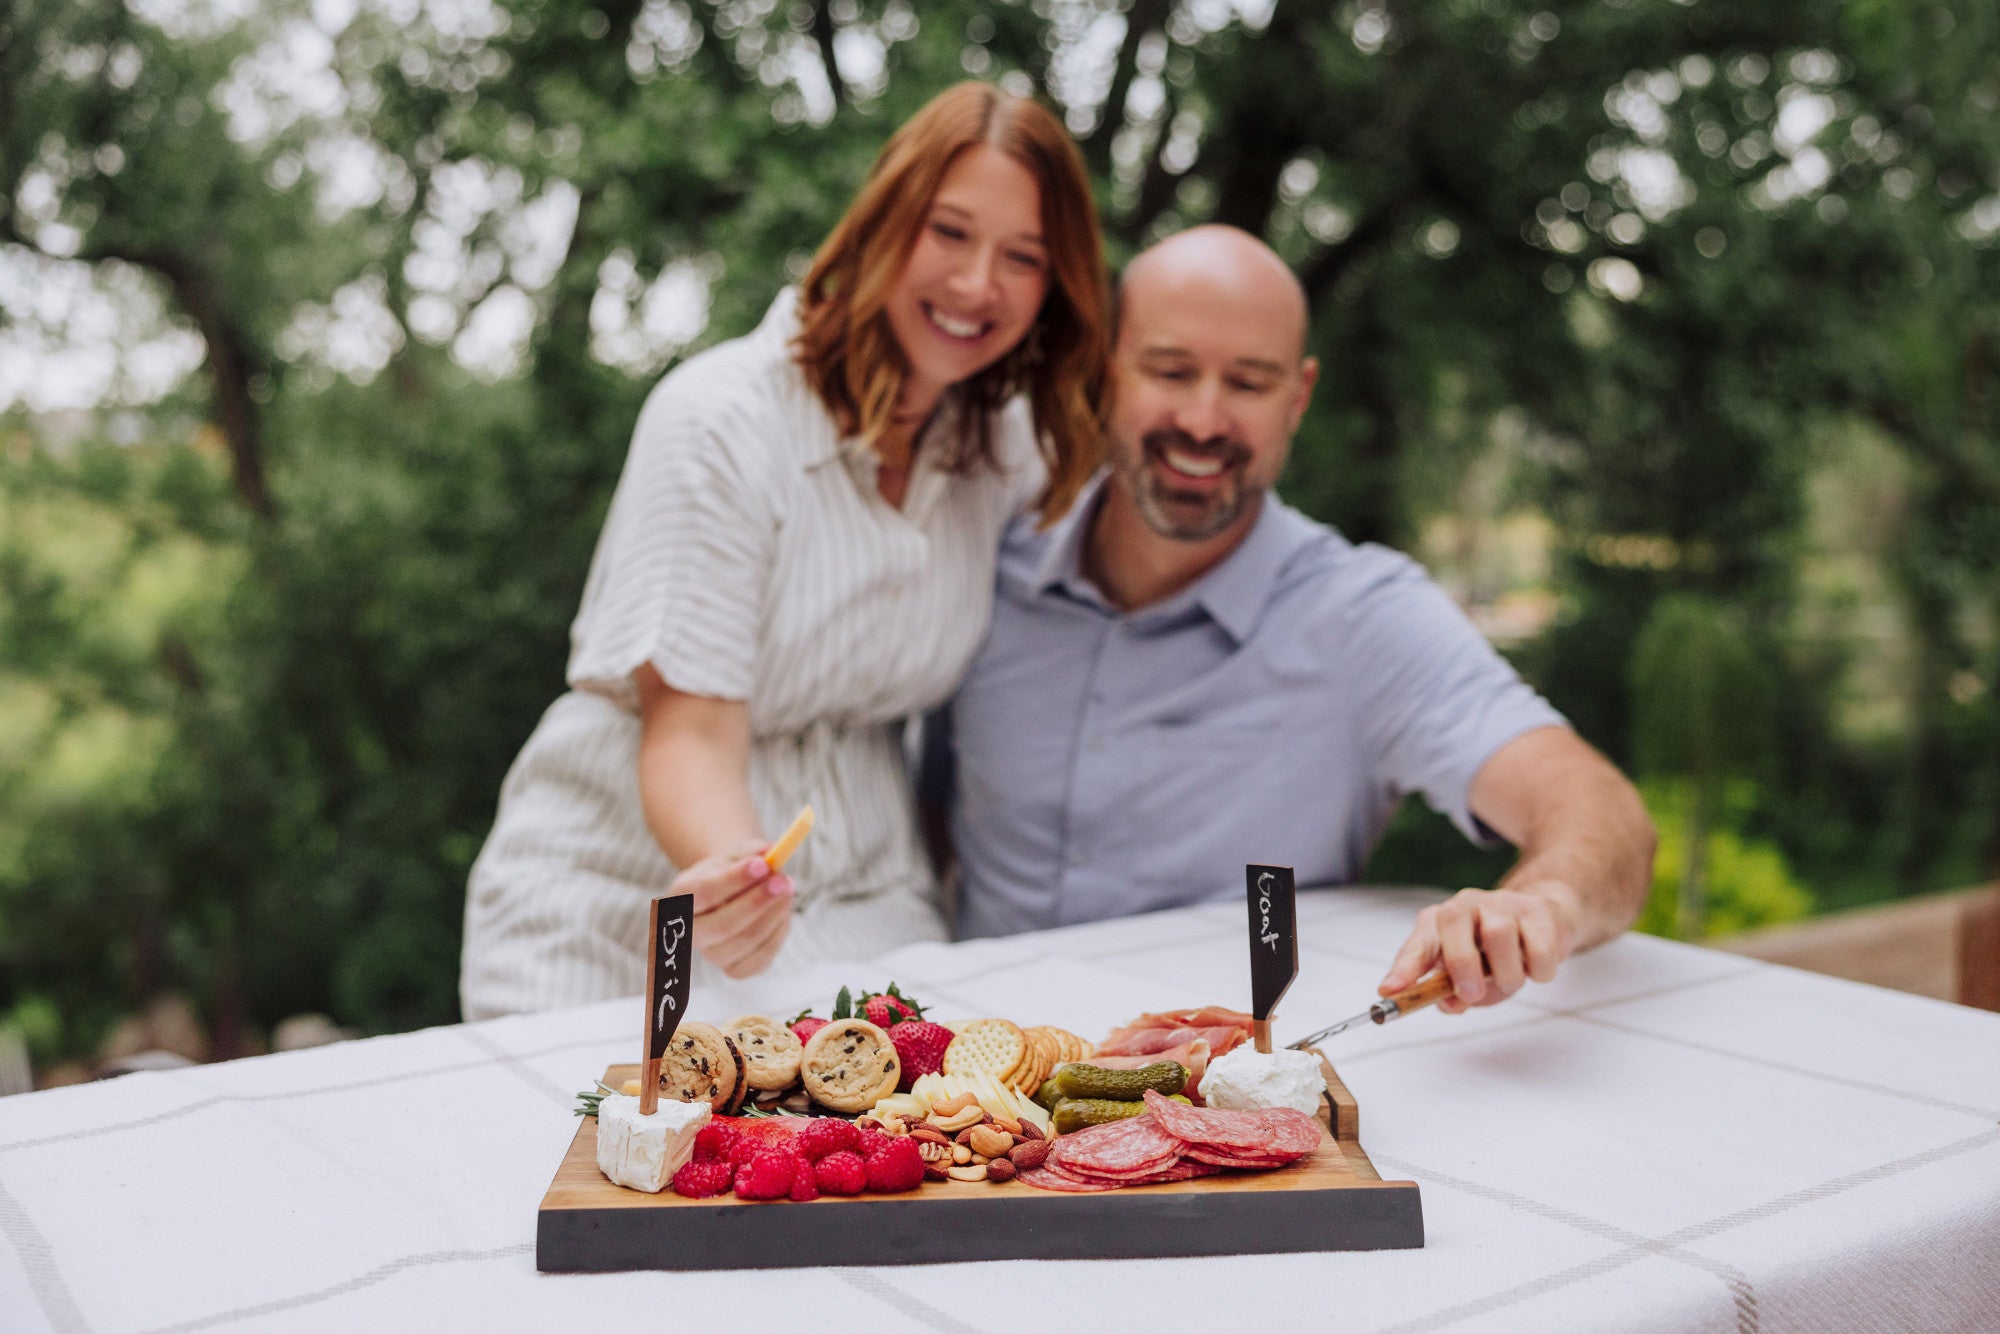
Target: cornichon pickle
(1048,1095)
(1093,1081)
(1073,1114)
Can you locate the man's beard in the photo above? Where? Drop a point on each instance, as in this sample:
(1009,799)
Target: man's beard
(1187,516)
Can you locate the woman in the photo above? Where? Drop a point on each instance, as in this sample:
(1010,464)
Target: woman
(798,556)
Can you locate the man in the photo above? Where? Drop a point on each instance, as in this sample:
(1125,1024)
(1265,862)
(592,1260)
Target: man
(1185,675)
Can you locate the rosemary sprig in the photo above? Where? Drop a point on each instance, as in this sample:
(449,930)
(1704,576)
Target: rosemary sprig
(587,1101)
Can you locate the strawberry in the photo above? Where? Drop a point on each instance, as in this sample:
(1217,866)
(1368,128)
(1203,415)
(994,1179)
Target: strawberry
(921,1044)
(755,1134)
(897,1167)
(768,1175)
(700,1178)
(884,1009)
(805,1026)
(842,1173)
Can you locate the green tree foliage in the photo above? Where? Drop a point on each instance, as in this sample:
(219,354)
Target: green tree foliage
(434,254)
(1701,715)
(1747,882)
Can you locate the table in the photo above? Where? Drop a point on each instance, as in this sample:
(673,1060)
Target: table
(1665,1138)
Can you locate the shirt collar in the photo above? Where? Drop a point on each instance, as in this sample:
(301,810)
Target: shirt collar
(1233,594)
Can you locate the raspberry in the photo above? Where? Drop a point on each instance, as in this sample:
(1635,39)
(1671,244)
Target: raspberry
(841,1173)
(898,1167)
(805,1026)
(828,1134)
(767,1176)
(700,1178)
(921,1044)
(714,1141)
(805,1184)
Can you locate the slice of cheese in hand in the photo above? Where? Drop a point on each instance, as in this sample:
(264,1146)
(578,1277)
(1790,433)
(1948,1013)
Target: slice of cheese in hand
(644,1152)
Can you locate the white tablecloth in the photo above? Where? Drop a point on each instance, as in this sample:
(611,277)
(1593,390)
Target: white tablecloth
(1666,1138)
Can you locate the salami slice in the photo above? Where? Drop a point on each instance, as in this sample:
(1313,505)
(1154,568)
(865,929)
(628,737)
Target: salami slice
(1180,1171)
(1293,1131)
(1043,1179)
(1202,1153)
(1134,1144)
(1209,1125)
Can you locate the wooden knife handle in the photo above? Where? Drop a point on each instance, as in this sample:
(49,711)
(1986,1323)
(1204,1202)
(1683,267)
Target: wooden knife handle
(1425,992)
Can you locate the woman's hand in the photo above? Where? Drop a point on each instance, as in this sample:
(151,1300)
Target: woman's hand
(742,912)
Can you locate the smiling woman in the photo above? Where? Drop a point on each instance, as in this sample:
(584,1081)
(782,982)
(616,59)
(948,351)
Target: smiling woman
(974,237)
(800,555)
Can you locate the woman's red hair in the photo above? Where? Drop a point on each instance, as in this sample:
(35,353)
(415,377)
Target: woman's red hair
(845,346)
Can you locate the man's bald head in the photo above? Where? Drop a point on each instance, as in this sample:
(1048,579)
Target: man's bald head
(1209,379)
(1214,265)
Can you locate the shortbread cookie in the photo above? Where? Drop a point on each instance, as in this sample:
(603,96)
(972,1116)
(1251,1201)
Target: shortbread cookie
(850,1065)
(702,1065)
(770,1052)
(995,1046)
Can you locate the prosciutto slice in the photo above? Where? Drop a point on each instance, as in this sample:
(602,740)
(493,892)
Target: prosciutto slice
(1151,1034)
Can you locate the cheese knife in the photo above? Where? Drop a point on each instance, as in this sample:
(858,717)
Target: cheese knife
(1407,1001)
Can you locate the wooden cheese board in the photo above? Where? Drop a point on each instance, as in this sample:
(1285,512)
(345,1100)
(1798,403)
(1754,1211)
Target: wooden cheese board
(1332,1200)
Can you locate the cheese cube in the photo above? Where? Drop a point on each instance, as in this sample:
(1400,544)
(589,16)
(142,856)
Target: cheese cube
(644,1152)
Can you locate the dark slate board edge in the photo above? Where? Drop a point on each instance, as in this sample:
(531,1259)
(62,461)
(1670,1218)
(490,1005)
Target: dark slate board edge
(1111,1226)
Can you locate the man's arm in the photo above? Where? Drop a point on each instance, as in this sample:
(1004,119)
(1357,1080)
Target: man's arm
(1586,865)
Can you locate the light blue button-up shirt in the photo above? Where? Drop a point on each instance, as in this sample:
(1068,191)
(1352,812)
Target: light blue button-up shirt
(1104,763)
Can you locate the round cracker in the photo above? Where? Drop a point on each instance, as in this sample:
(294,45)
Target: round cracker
(995,1046)
(771,1052)
(1042,1041)
(850,1065)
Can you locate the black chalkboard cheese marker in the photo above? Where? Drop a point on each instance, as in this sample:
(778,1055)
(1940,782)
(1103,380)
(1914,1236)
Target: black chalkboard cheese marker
(669,960)
(1274,943)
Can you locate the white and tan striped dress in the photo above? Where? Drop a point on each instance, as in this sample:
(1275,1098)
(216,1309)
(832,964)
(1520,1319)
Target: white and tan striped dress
(747,555)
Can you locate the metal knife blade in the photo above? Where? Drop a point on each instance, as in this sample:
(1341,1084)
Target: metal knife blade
(1407,1001)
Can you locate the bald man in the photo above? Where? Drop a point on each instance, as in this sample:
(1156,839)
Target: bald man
(1185,675)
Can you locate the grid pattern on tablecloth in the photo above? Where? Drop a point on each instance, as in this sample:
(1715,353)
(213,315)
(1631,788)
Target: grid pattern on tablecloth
(1516,1241)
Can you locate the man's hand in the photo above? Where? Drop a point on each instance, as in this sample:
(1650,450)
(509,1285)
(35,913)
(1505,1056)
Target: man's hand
(1586,864)
(742,912)
(1490,941)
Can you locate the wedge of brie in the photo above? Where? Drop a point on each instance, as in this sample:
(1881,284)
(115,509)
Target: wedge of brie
(644,1152)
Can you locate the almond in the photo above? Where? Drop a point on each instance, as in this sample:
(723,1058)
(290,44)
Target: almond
(1029,1130)
(1000,1169)
(1029,1153)
(1008,1124)
(930,1135)
(937,1171)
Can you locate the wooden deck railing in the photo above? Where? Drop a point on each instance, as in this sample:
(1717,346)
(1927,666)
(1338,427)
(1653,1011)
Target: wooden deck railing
(1942,945)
